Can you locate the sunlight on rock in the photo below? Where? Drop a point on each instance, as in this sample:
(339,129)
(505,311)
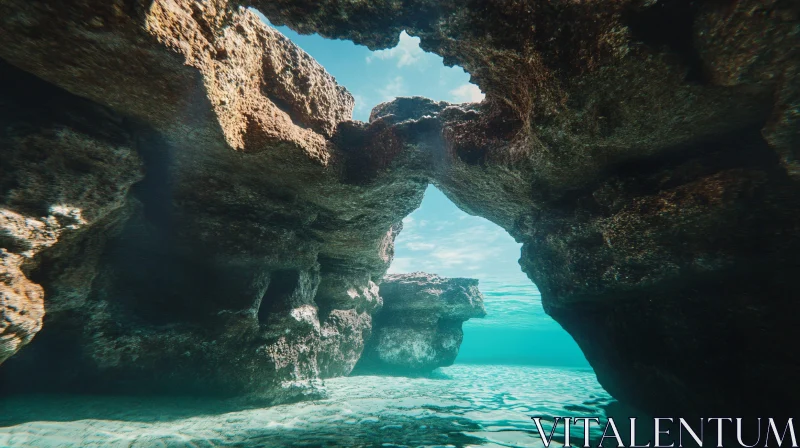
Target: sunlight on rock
(198,211)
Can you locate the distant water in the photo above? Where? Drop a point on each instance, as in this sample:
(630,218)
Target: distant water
(463,405)
(516,330)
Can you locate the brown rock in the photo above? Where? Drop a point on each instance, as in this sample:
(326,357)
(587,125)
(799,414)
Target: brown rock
(642,151)
(622,143)
(65,170)
(249,263)
(21,306)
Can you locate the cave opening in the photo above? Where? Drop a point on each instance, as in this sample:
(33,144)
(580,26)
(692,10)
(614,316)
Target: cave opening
(442,239)
(503,367)
(282,285)
(510,361)
(190,217)
(516,359)
(375,77)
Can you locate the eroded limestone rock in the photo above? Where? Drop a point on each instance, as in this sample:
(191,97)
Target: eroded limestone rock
(643,153)
(419,327)
(21,306)
(65,168)
(250,259)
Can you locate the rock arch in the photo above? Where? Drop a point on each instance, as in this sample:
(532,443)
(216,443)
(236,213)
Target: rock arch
(653,185)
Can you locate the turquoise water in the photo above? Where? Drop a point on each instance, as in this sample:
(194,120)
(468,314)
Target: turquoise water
(517,331)
(440,238)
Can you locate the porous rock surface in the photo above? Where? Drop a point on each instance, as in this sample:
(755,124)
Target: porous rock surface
(419,327)
(248,259)
(644,152)
(67,165)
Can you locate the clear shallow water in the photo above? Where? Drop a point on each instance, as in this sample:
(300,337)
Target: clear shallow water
(486,399)
(462,405)
(516,330)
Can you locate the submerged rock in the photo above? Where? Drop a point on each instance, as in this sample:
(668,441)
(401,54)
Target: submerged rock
(419,327)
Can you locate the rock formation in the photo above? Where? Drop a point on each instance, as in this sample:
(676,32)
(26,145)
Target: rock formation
(67,165)
(245,262)
(419,327)
(643,151)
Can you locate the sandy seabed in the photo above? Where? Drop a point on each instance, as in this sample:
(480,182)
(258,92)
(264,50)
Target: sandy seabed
(462,405)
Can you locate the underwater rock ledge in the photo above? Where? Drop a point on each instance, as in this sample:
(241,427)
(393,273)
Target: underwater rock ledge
(419,327)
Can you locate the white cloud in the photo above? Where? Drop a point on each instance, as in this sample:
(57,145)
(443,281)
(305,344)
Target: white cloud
(454,247)
(361,103)
(457,256)
(467,93)
(420,246)
(407,52)
(401,265)
(395,88)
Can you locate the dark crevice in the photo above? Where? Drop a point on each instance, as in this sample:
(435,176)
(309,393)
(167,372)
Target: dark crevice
(12,243)
(286,107)
(35,104)
(471,154)
(743,149)
(282,285)
(670,23)
(145,278)
(155,190)
(34,114)
(54,349)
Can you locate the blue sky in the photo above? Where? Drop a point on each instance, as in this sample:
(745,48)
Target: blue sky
(441,239)
(438,237)
(374,77)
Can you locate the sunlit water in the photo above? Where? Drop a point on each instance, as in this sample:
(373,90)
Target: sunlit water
(463,405)
(486,399)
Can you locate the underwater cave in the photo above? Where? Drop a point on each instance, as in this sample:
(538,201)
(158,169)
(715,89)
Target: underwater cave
(419,223)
